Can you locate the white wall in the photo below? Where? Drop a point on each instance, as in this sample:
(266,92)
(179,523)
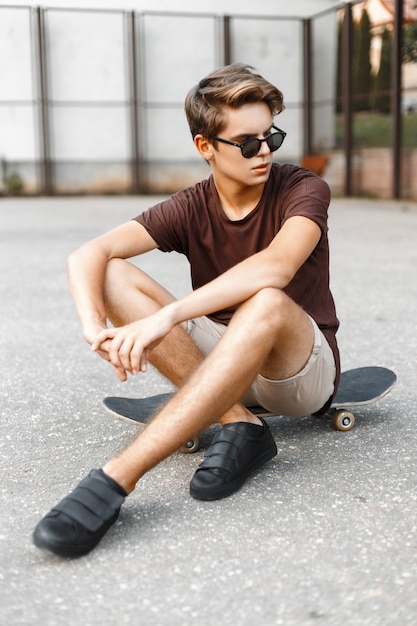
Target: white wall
(16,86)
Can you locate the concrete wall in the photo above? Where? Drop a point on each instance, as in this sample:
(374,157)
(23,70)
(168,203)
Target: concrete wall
(89,108)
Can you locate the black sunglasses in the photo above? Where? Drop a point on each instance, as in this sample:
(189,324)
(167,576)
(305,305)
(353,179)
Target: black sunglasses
(251,147)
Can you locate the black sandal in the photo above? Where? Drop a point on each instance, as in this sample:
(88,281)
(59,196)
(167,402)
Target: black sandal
(237,450)
(76,525)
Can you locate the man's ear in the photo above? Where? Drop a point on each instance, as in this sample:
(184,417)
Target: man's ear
(204,147)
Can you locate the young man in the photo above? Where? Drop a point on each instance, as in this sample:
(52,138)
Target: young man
(258,328)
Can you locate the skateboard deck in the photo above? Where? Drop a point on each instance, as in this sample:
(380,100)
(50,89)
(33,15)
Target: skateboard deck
(358,387)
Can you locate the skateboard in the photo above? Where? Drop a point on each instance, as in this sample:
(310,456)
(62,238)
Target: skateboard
(358,387)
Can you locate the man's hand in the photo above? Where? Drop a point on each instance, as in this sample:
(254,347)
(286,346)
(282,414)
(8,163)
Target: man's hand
(90,333)
(128,347)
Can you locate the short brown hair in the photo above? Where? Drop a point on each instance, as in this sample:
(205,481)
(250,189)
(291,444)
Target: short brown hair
(229,86)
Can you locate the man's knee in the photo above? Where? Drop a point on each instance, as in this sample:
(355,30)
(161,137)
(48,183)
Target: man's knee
(272,307)
(117,280)
(119,274)
(125,283)
(116,269)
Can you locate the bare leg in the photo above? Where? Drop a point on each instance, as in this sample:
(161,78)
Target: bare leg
(131,294)
(268,334)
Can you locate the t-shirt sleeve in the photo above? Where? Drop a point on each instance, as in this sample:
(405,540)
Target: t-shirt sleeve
(166,223)
(308,196)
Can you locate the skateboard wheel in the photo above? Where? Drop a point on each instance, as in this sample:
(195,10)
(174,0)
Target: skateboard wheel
(191,446)
(343,420)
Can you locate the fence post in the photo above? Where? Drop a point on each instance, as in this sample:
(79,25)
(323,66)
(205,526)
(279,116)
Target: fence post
(44,121)
(307,88)
(396,99)
(347,94)
(227,52)
(134,103)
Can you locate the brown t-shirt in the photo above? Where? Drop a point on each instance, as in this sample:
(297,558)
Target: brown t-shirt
(193,223)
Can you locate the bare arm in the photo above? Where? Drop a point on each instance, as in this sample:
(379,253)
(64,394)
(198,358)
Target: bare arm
(273,267)
(87,267)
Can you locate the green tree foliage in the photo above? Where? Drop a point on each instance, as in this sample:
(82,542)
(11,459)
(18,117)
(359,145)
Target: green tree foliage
(362,69)
(410,43)
(382,95)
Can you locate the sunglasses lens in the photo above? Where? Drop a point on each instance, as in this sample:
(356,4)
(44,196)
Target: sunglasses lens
(275,141)
(251,148)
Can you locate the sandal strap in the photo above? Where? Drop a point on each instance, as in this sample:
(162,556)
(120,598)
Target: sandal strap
(93,502)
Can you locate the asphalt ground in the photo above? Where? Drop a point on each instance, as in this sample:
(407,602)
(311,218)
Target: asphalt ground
(323,534)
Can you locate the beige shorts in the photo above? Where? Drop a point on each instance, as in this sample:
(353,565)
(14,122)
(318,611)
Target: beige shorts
(302,394)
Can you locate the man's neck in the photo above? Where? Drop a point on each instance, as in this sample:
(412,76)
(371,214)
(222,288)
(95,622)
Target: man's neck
(238,201)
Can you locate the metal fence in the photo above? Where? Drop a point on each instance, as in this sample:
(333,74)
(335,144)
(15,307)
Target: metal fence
(101,109)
